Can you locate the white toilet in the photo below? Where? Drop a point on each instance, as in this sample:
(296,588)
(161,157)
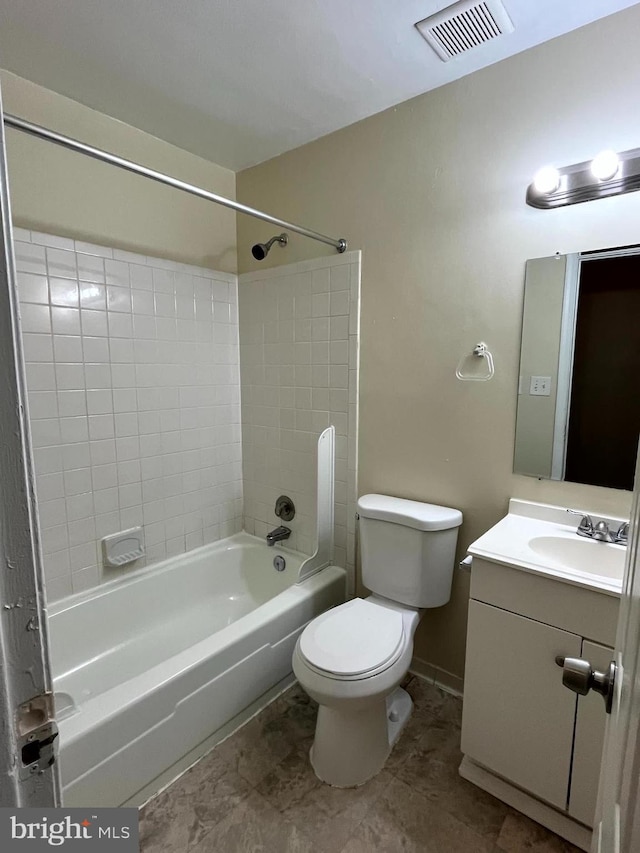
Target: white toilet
(352,658)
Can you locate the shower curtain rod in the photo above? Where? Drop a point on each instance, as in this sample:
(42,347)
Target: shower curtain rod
(98,154)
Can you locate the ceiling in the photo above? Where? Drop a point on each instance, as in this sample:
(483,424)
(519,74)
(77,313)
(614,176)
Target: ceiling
(240,81)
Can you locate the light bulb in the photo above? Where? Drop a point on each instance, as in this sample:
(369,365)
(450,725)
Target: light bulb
(547,180)
(605,165)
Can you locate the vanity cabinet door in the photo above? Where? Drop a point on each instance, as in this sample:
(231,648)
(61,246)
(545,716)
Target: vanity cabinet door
(587,754)
(518,719)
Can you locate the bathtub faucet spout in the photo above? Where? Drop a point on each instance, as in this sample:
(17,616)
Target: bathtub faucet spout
(278,535)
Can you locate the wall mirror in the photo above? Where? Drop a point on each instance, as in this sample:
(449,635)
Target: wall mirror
(578,415)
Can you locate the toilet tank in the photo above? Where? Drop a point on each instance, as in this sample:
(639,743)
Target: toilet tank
(408,549)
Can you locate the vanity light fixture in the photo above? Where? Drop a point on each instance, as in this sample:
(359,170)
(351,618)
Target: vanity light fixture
(605,165)
(546,180)
(606,175)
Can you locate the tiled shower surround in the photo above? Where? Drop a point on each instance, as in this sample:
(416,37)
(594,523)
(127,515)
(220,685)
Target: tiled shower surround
(133,379)
(134,398)
(299,374)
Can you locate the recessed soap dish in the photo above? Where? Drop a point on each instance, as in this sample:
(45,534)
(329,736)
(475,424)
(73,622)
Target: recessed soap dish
(120,549)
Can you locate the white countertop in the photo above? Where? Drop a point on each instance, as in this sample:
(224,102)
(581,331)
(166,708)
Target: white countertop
(542,539)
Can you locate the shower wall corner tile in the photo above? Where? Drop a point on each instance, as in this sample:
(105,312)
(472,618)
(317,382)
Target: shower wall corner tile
(299,372)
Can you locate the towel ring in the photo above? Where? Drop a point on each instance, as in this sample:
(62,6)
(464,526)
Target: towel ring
(480,350)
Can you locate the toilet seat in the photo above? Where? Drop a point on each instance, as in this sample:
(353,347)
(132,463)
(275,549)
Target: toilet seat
(357,639)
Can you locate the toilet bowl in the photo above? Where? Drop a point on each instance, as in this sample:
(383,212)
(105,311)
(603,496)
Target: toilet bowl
(352,658)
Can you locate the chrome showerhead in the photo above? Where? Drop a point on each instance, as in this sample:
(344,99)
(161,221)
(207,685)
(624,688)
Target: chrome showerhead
(261,250)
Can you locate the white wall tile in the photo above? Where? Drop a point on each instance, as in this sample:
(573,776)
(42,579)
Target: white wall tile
(33,288)
(21,234)
(37,347)
(320,305)
(95,349)
(67,348)
(97,375)
(141,277)
(339,302)
(295,382)
(339,328)
(75,455)
(40,377)
(94,322)
(43,404)
(99,401)
(72,403)
(79,507)
(320,280)
(65,321)
(61,262)
(148,409)
(92,295)
(142,301)
(58,587)
(54,538)
(91,268)
(104,476)
(118,298)
(45,432)
(120,325)
(30,258)
(35,318)
(117,273)
(77,481)
(73,430)
(83,579)
(68,377)
(46,239)
(92,249)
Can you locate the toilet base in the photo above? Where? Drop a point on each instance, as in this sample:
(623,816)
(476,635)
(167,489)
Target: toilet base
(351,747)
(399,707)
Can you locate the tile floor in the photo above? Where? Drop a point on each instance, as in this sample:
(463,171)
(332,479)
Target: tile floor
(256,792)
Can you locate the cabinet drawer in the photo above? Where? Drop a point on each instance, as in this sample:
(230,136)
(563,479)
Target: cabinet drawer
(587,612)
(518,719)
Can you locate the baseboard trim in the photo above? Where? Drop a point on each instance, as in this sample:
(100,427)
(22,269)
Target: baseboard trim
(557,822)
(435,675)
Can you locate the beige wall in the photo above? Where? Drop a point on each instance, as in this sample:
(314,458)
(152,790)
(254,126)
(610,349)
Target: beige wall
(61,192)
(433,192)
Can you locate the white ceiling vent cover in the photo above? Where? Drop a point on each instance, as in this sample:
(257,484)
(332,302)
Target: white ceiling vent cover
(465,25)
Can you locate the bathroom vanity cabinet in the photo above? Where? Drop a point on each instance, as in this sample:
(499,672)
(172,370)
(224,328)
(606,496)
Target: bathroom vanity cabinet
(527,738)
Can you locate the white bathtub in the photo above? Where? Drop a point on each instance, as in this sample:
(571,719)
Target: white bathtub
(148,669)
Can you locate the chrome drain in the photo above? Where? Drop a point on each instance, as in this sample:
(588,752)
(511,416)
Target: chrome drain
(279,563)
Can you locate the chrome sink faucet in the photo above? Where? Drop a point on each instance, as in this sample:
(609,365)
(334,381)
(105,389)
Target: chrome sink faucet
(600,530)
(622,536)
(278,535)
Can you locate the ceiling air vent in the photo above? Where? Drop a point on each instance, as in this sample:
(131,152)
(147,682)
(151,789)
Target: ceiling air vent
(464,25)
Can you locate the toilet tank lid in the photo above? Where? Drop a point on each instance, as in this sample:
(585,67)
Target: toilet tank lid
(415,514)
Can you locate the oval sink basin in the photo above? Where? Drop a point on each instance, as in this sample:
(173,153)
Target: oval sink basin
(581,555)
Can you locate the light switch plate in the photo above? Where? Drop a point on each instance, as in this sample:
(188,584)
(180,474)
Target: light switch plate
(540,386)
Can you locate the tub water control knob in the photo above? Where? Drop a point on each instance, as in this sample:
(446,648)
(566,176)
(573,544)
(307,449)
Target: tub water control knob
(285,508)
